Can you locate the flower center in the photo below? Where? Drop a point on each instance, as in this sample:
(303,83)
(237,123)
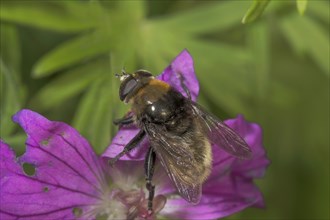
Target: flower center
(128,204)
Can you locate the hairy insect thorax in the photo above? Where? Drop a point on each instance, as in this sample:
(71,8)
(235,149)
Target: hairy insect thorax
(159,103)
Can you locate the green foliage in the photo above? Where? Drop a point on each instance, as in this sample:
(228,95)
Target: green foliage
(64,16)
(258,7)
(300,31)
(59,58)
(255,11)
(12,91)
(301,6)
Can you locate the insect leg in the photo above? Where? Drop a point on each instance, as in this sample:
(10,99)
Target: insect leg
(149,166)
(132,144)
(185,88)
(124,120)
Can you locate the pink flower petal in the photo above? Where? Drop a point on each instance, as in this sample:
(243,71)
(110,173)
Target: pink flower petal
(183,65)
(216,202)
(67,175)
(252,133)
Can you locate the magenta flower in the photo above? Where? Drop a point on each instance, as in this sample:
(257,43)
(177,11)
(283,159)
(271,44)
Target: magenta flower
(69,181)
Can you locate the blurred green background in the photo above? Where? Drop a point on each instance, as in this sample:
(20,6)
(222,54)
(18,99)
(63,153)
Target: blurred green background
(59,58)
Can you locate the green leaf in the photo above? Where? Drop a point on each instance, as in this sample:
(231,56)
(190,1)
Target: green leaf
(219,56)
(98,42)
(301,5)
(157,47)
(222,71)
(320,9)
(17,141)
(96,112)
(97,126)
(10,100)
(12,91)
(307,36)
(10,48)
(227,98)
(102,119)
(207,18)
(69,84)
(64,16)
(259,45)
(85,110)
(71,52)
(283,95)
(255,11)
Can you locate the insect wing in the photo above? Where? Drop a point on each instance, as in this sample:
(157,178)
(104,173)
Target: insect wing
(177,160)
(222,135)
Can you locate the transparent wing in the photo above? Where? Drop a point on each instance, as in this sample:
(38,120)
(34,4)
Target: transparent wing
(222,135)
(177,159)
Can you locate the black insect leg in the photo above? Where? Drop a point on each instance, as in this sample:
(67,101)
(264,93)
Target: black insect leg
(124,120)
(185,88)
(149,166)
(132,144)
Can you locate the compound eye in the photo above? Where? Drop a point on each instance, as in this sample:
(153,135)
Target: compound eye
(126,87)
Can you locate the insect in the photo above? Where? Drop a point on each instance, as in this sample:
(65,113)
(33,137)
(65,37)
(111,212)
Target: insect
(180,132)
